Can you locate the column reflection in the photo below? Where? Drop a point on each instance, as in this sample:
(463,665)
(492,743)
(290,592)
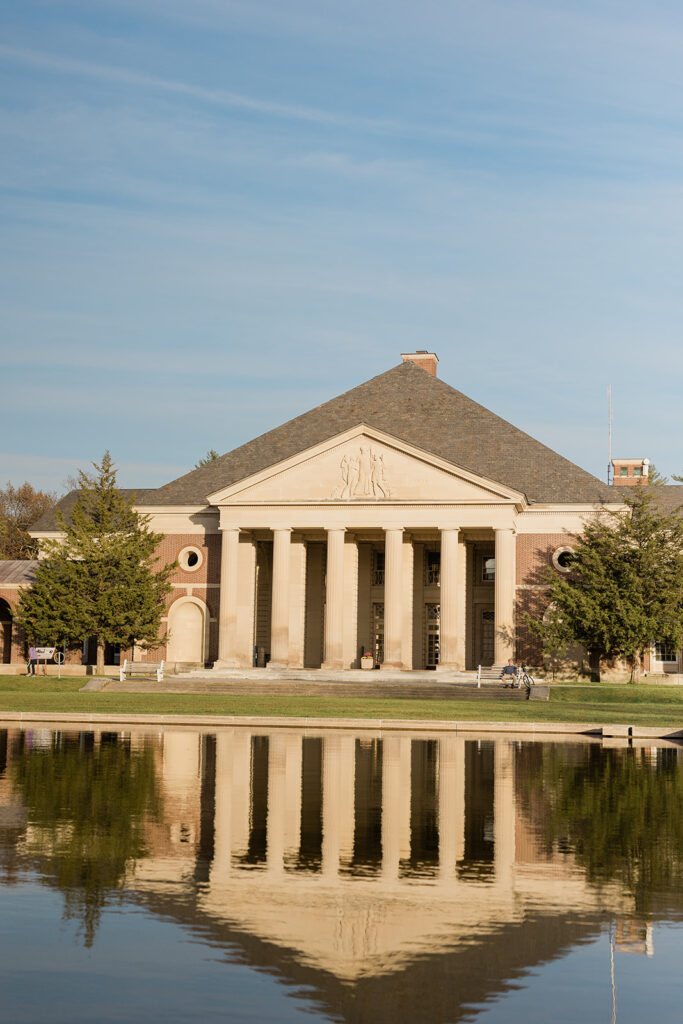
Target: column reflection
(334,805)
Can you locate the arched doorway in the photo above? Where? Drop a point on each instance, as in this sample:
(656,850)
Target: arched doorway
(187,624)
(6,620)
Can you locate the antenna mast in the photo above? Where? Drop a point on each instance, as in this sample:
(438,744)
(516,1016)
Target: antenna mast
(609,432)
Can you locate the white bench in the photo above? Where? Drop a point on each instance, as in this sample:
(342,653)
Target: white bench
(141,668)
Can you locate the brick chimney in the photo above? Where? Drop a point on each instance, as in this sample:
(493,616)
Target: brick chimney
(422,358)
(630,472)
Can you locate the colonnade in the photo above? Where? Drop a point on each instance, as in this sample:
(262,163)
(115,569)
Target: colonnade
(288,597)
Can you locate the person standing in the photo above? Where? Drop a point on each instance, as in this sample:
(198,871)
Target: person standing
(32,661)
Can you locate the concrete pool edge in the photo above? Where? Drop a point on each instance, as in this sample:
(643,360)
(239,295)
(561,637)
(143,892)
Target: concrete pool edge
(619,732)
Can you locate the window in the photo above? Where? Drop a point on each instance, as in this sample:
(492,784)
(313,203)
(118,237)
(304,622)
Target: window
(190,559)
(488,569)
(562,559)
(623,471)
(432,568)
(432,625)
(665,652)
(378,632)
(637,470)
(377,568)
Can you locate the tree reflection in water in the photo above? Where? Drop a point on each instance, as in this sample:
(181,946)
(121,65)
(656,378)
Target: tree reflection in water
(619,811)
(86,802)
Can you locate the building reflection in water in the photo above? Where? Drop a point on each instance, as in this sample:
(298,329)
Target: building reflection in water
(360,856)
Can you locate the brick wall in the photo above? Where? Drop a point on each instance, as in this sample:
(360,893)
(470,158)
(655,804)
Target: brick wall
(534,557)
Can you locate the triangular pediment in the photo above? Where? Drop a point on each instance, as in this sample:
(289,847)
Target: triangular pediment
(359,466)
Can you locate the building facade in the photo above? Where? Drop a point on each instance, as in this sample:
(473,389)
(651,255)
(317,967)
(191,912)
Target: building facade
(400,519)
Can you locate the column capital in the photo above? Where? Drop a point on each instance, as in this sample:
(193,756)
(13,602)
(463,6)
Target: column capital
(393,529)
(281,529)
(335,528)
(448,528)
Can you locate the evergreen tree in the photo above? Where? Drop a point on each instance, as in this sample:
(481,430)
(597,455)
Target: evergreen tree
(625,589)
(103,580)
(207,459)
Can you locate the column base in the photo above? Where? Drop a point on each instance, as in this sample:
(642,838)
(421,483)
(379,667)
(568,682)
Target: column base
(332,666)
(395,666)
(277,665)
(448,666)
(226,663)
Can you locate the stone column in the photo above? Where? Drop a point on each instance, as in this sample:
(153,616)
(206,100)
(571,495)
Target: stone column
(227,616)
(246,599)
(393,586)
(449,625)
(351,646)
(461,631)
(279,622)
(407,601)
(297,601)
(334,601)
(504,645)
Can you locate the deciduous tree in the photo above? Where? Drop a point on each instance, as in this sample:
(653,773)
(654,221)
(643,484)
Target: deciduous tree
(20,507)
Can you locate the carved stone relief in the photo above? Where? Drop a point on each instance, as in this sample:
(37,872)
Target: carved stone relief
(362,475)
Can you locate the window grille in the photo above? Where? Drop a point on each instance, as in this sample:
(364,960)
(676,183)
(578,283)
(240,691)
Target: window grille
(665,652)
(432,573)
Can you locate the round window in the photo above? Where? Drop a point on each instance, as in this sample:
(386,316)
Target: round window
(190,559)
(563,559)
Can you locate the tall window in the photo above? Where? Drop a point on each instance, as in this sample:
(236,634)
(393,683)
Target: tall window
(665,652)
(377,568)
(432,568)
(378,631)
(488,569)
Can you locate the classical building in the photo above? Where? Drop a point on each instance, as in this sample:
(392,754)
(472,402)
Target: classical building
(400,518)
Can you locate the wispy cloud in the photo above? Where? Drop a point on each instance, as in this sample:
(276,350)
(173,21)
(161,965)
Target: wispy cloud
(217,97)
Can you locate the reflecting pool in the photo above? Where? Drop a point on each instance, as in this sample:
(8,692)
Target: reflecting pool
(281,875)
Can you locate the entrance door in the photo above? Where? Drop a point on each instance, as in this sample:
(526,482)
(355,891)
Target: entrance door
(487,630)
(432,632)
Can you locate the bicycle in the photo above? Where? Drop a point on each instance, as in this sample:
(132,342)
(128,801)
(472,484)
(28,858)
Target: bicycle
(525,680)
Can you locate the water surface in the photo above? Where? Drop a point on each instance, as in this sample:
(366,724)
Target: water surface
(247,875)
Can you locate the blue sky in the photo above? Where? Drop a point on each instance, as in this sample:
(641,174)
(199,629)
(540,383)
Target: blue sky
(217,214)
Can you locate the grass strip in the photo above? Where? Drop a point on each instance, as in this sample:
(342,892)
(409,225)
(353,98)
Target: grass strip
(647,705)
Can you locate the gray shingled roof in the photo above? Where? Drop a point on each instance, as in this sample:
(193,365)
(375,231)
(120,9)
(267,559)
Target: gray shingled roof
(13,571)
(413,406)
(48,521)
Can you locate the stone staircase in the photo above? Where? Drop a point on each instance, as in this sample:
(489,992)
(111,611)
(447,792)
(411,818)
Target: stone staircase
(352,683)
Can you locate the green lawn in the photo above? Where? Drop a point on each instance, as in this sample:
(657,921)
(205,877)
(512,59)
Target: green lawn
(641,704)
